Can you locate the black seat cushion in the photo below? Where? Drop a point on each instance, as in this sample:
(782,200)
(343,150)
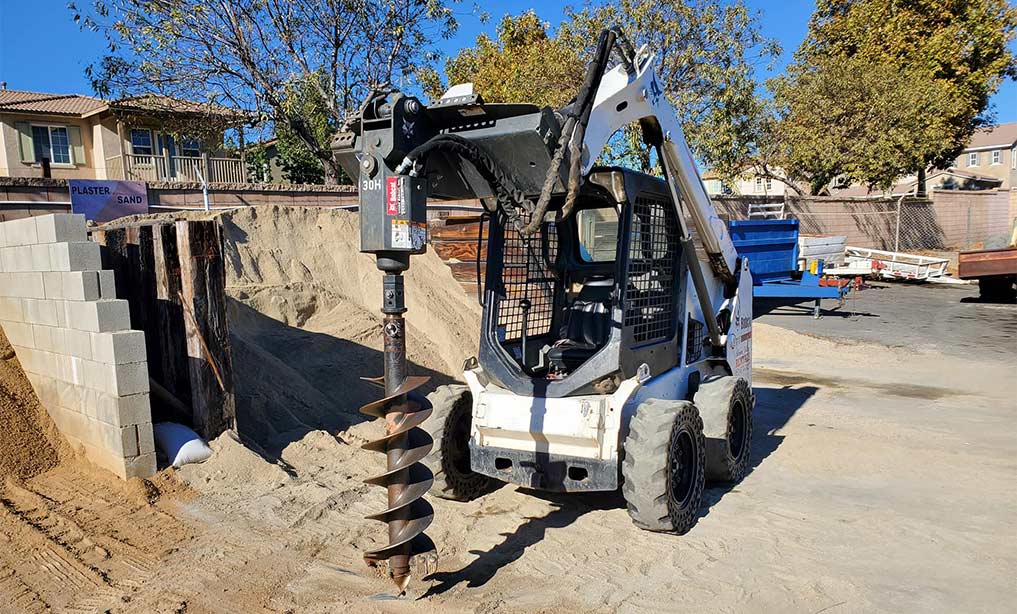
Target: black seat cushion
(586,329)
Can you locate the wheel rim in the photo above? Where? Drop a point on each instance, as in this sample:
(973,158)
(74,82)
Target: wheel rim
(458,445)
(737,430)
(682,470)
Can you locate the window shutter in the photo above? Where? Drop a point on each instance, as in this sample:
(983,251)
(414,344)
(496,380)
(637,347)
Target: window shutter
(25,141)
(77,148)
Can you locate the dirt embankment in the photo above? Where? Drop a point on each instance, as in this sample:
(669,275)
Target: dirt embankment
(29,444)
(305,320)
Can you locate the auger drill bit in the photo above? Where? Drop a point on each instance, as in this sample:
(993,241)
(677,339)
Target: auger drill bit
(405,445)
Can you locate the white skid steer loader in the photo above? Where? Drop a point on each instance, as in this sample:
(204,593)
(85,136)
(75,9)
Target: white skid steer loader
(616,349)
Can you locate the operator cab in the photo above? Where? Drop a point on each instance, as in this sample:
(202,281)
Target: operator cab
(580,304)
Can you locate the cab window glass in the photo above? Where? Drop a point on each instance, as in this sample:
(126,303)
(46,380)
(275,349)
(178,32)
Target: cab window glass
(598,234)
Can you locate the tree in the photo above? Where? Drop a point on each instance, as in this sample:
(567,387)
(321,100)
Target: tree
(248,54)
(522,64)
(881,89)
(705,52)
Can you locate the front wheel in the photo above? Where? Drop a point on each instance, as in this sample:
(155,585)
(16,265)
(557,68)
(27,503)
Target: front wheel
(449,425)
(664,466)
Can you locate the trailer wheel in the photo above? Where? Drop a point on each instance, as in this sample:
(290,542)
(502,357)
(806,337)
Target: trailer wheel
(725,404)
(663,467)
(449,459)
(998,288)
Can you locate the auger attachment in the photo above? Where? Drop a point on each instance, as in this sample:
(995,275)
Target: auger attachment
(404,443)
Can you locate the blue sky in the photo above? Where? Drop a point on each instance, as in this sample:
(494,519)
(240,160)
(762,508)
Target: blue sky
(41,49)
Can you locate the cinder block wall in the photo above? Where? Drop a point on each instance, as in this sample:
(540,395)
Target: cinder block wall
(73,339)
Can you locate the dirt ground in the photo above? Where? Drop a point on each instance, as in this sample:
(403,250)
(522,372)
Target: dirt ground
(882,481)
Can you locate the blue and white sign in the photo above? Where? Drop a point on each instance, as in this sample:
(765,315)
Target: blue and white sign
(103,201)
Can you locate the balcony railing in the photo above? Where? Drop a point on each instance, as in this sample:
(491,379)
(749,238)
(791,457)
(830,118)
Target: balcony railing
(139,167)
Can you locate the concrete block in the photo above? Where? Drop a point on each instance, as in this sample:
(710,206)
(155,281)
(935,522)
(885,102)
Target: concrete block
(120,440)
(119,347)
(78,256)
(116,410)
(60,227)
(107,285)
(19,333)
(23,285)
(143,466)
(98,316)
(11,309)
(146,438)
(53,285)
(43,336)
(20,232)
(18,259)
(127,379)
(41,311)
(41,257)
(68,394)
(77,343)
(81,286)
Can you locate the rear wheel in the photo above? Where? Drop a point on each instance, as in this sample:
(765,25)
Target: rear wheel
(725,404)
(663,467)
(449,425)
(998,288)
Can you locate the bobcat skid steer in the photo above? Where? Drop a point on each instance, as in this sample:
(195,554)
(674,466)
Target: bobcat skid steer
(616,348)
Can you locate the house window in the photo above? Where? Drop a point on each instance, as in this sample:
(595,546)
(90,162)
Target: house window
(141,142)
(759,184)
(190,148)
(769,184)
(973,158)
(51,142)
(997,156)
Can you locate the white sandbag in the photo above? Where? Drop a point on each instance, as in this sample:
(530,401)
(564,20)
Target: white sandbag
(180,445)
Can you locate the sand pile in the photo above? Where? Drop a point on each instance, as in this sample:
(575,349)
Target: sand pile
(305,321)
(28,440)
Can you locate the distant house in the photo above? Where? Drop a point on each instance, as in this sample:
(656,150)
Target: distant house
(992,152)
(71,136)
(749,183)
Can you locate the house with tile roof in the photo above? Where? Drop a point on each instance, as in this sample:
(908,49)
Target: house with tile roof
(992,152)
(143,138)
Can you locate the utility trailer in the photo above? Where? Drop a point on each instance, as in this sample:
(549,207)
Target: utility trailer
(771,247)
(894,266)
(995,270)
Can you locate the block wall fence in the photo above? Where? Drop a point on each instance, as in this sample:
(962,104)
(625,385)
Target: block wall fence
(72,336)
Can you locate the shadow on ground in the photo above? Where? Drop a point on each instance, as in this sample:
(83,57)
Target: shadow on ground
(567,509)
(774,408)
(290,381)
(829,308)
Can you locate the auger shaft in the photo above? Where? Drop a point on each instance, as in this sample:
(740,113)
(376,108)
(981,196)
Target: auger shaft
(395,375)
(404,444)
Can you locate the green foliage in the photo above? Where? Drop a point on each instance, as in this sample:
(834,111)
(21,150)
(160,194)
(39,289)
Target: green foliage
(705,51)
(881,88)
(249,54)
(522,64)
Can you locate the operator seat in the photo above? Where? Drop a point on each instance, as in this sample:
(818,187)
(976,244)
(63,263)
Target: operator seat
(587,326)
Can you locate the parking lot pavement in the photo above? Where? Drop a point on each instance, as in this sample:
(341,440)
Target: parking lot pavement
(947,318)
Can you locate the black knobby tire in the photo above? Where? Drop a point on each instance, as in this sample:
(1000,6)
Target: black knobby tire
(997,289)
(449,459)
(725,403)
(664,465)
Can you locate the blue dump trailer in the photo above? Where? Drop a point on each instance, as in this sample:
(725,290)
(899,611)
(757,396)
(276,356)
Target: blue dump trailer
(772,249)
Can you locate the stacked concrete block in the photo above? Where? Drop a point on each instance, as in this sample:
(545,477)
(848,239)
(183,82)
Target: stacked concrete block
(72,336)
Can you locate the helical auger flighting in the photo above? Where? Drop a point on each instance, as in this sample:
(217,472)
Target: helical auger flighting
(405,444)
